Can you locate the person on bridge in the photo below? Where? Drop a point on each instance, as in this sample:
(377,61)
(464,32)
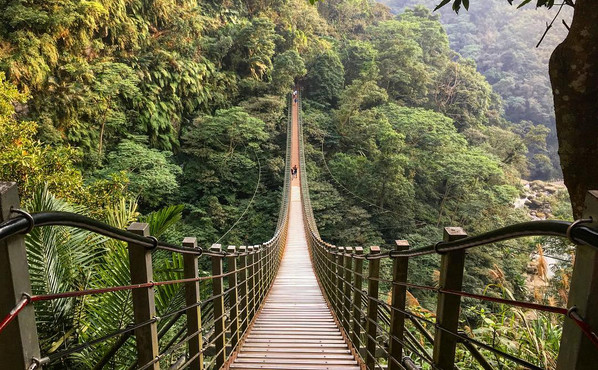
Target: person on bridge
(294,172)
(295,96)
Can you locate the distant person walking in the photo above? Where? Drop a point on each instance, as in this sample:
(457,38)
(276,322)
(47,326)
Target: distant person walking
(294,172)
(295,96)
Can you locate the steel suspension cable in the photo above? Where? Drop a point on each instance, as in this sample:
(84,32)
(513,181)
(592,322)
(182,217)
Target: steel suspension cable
(257,185)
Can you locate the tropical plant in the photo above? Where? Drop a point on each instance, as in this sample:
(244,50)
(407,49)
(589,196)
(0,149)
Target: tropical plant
(61,259)
(152,175)
(64,259)
(114,311)
(27,161)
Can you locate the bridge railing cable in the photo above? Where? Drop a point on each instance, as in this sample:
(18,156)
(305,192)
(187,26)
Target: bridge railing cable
(388,333)
(218,308)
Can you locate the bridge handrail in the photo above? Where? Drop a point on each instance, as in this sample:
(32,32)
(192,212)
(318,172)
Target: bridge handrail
(231,310)
(578,234)
(379,331)
(24,224)
(306,200)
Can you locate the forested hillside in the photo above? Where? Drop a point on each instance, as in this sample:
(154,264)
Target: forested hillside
(174,102)
(174,112)
(405,136)
(511,50)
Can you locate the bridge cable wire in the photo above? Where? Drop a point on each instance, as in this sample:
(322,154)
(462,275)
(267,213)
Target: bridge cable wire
(129,328)
(257,185)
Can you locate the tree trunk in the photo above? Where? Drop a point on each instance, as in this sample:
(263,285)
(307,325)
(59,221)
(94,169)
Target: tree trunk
(574,76)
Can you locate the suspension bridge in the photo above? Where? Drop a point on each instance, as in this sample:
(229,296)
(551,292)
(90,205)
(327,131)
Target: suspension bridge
(295,301)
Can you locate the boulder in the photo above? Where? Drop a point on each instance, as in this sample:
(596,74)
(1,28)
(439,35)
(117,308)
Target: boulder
(536,204)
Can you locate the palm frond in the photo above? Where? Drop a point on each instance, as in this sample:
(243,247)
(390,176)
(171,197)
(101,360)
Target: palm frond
(60,259)
(162,219)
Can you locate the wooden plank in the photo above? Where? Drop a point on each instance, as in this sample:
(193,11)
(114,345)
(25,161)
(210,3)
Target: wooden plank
(296,355)
(219,311)
(289,367)
(296,344)
(231,267)
(295,361)
(356,315)
(577,351)
(372,310)
(295,340)
(346,317)
(192,296)
(18,342)
(397,317)
(298,349)
(144,308)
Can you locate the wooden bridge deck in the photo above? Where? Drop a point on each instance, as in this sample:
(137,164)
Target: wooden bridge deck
(295,329)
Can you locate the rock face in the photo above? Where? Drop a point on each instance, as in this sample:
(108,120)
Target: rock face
(535,198)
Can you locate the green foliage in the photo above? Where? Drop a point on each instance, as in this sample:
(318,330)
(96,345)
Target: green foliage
(462,94)
(114,85)
(288,66)
(457,4)
(400,59)
(61,259)
(221,162)
(107,312)
(325,77)
(357,57)
(451,177)
(26,160)
(163,219)
(505,145)
(535,338)
(503,42)
(429,34)
(152,175)
(257,38)
(66,259)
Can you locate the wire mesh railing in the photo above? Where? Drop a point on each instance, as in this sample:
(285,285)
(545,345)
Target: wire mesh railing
(390,335)
(217,312)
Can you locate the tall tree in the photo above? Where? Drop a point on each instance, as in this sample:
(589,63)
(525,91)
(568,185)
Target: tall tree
(325,77)
(574,76)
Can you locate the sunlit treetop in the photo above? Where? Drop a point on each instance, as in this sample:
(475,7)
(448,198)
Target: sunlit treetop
(465,3)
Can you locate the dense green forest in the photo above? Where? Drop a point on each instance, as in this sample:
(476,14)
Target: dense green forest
(405,135)
(174,112)
(511,50)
